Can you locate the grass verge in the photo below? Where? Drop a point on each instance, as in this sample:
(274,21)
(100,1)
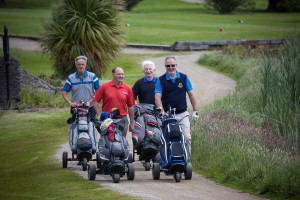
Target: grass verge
(28,169)
(233,144)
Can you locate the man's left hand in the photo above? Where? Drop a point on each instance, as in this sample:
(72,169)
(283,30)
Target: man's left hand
(195,116)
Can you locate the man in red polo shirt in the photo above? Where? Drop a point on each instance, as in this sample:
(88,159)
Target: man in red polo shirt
(116,94)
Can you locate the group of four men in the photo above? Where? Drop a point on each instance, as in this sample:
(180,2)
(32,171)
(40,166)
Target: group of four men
(168,89)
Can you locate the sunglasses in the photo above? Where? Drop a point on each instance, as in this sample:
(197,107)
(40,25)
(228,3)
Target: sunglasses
(170,66)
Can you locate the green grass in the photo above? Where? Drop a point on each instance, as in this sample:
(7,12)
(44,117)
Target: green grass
(168,21)
(28,4)
(28,169)
(34,62)
(24,21)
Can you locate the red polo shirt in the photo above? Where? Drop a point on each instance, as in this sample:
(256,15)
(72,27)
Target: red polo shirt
(114,97)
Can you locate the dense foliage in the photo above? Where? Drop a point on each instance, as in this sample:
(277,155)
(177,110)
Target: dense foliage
(228,6)
(284,6)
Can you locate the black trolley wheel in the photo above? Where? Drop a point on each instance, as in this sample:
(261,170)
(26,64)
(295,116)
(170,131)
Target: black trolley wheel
(91,171)
(147,166)
(177,176)
(131,172)
(98,160)
(156,171)
(65,159)
(84,164)
(188,172)
(116,177)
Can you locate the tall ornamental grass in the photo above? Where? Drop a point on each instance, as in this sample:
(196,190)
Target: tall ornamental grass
(281,90)
(233,144)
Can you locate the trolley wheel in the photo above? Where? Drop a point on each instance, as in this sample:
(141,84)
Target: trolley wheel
(91,171)
(84,164)
(177,176)
(130,159)
(133,157)
(116,177)
(98,160)
(188,172)
(65,159)
(157,158)
(147,166)
(156,171)
(131,172)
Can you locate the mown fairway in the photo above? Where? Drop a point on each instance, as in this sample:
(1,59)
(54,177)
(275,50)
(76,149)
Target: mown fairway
(168,21)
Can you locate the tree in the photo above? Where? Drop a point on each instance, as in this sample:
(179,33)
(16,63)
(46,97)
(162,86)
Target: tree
(80,27)
(228,6)
(131,3)
(2,4)
(283,6)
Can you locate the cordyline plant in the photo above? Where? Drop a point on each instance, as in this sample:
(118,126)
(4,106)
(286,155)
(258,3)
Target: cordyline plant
(79,27)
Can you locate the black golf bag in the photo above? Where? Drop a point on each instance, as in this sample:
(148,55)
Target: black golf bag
(146,133)
(118,148)
(114,157)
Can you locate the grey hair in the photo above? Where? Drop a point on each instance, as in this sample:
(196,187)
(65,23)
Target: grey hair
(170,57)
(81,58)
(148,62)
(114,69)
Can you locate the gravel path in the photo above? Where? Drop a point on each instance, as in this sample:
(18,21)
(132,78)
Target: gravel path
(208,86)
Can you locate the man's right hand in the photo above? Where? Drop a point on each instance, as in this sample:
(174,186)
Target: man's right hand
(73,104)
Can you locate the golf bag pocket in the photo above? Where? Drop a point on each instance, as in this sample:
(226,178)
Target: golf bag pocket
(138,132)
(93,136)
(155,139)
(116,149)
(173,130)
(84,141)
(83,125)
(73,134)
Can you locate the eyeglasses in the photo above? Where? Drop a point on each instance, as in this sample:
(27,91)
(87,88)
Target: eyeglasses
(170,66)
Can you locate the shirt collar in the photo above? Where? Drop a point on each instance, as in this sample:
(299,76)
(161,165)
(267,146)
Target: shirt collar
(153,79)
(177,76)
(85,74)
(112,83)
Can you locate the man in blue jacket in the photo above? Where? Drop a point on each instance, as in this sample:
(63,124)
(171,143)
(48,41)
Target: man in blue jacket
(171,89)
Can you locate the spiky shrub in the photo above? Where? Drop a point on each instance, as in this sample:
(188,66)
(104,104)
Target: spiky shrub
(80,27)
(281,90)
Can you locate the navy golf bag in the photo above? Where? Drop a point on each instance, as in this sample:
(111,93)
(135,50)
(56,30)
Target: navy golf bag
(174,150)
(146,134)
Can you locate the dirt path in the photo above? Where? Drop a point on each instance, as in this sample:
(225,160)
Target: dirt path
(208,86)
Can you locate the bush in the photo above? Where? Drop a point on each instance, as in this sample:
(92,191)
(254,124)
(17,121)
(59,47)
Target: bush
(228,6)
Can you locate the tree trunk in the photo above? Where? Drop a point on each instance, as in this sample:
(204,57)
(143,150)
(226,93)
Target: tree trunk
(272,7)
